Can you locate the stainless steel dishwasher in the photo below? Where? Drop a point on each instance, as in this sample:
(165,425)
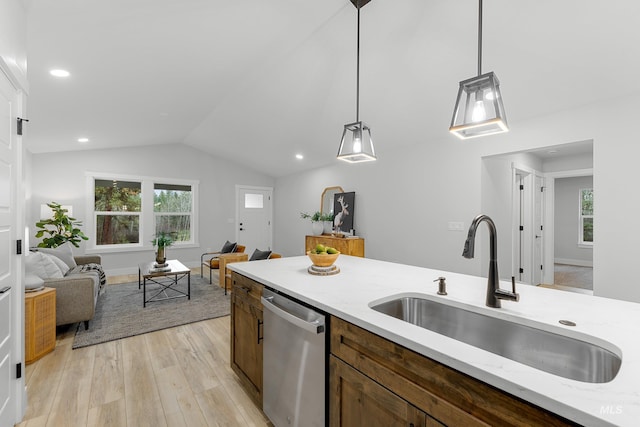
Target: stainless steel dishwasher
(294,362)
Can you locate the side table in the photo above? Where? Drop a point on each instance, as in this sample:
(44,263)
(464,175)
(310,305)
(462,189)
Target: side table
(39,323)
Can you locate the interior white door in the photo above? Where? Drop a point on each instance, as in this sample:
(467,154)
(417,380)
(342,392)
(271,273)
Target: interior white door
(538,227)
(254,217)
(8,273)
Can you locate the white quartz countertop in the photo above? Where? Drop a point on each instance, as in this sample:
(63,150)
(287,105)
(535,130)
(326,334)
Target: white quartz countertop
(609,323)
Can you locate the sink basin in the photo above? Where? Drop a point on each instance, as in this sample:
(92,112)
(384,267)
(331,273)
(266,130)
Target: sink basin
(550,352)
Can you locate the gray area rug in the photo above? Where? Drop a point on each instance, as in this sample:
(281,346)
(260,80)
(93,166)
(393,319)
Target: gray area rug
(119,312)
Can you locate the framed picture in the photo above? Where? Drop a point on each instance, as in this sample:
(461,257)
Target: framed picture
(343,209)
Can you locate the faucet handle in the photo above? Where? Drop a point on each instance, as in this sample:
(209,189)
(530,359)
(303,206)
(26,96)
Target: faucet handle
(511,296)
(442,285)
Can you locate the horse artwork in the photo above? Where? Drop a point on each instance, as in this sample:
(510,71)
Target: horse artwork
(343,207)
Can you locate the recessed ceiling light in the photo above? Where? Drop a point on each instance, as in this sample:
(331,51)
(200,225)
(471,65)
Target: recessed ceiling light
(299,156)
(83,139)
(552,151)
(59,73)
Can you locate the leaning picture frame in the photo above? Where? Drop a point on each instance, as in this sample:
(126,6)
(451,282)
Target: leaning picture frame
(343,210)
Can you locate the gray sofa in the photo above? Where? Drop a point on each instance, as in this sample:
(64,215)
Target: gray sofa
(77,292)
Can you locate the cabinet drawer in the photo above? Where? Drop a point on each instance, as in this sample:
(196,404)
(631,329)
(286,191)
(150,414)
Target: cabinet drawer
(451,397)
(242,286)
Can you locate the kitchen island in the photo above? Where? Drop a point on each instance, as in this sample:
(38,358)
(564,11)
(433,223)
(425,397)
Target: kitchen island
(364,282)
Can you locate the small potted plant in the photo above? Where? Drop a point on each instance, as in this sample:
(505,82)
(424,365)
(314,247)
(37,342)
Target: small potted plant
(162,240)
(318,221)
(60,228)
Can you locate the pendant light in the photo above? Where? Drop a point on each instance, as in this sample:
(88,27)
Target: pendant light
(479,110)
(356,145)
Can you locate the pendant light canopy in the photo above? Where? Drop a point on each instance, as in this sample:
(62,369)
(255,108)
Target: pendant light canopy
(479,110)
(356,145)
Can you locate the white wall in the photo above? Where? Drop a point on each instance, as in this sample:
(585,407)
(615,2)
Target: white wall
(60,177)
(13,38)
(566,225)
(404,200)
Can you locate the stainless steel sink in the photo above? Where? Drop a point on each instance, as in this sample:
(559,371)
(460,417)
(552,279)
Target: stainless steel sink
(550,352)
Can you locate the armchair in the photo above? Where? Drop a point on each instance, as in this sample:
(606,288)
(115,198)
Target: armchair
(211,260)
(225,259)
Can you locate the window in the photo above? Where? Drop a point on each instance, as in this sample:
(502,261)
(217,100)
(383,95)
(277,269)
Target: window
(129,211)
(117,211)
(585,234)
(172,207)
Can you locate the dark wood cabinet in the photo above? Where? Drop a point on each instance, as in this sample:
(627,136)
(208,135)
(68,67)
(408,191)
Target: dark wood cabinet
(359,401)
(246,334)
(387,384)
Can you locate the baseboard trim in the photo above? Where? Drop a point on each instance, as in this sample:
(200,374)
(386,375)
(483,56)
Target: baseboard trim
(578,262)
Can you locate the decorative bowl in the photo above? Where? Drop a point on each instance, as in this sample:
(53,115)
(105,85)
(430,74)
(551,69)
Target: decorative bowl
(323,260)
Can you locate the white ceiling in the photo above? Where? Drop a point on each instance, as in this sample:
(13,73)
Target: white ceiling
(258,81)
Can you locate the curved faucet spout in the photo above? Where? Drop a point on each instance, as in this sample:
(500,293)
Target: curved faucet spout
(494,293)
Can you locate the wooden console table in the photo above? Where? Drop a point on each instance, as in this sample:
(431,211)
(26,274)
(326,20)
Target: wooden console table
(346,245)
(39,323)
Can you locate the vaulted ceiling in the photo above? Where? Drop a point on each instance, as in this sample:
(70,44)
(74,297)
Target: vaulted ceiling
(258,81)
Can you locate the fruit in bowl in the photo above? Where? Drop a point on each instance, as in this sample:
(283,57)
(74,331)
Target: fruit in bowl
(323,256)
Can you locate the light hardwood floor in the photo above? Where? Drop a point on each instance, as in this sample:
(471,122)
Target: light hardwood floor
(173,377)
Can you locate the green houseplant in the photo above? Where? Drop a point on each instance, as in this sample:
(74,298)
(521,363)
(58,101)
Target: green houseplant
(162,240)
(317,221)
(60,228)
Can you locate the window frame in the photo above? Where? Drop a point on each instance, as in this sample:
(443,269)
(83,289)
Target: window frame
(581,217)
(147,223)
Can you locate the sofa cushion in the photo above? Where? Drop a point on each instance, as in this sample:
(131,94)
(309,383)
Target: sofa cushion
(59,263)
(42,266)
(258,254)
(32,282)
(63,252)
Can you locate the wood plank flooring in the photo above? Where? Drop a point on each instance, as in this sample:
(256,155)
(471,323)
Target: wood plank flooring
(173,377)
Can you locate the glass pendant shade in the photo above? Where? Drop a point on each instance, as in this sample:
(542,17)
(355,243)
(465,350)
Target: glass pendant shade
(479,110)
(356,145)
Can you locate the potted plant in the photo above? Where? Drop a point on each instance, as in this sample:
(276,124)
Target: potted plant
(162,240)
(318,221)
(60,228)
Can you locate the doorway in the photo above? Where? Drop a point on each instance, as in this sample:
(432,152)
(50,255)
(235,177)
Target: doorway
(518,193)
(254,217)
(572,258)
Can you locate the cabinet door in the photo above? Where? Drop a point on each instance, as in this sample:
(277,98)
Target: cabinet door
(356,400)
(246,345)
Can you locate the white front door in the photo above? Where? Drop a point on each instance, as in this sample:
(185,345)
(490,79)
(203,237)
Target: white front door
(10,300)
(254,217)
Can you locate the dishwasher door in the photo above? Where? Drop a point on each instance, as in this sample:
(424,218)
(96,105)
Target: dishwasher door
(293,362)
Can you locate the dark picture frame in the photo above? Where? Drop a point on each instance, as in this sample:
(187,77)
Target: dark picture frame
(343,209)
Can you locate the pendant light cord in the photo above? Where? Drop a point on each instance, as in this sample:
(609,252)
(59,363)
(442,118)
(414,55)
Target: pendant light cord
(479,37)
(358,71)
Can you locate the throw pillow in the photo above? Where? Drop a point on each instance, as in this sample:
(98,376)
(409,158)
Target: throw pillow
(59,263)
(63,252)
(31,282)
(228,247)
(42,266)
(258,254)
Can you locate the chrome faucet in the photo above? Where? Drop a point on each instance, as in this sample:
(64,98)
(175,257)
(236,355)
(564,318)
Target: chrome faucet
(494,293)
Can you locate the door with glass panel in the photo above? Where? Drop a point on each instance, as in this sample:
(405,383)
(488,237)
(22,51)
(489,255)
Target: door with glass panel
(254,217)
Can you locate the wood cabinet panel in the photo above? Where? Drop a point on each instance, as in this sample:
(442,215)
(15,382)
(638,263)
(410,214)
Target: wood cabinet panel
(443,393)
(246,334)
(348,246)
(358,401)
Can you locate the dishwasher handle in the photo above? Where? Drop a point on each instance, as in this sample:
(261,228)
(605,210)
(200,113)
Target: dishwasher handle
(315,326)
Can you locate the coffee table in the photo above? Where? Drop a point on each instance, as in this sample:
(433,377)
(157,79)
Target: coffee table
(166,279)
